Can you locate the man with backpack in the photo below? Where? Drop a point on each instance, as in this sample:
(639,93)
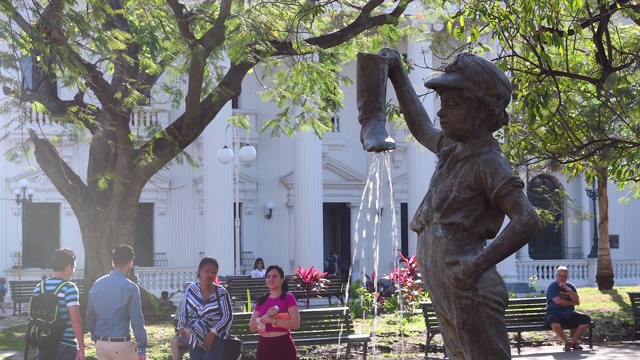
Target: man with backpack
(55,323)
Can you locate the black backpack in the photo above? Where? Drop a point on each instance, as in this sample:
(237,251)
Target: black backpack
(45,326)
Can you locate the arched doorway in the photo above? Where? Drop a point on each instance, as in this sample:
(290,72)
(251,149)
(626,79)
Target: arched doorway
(546,193)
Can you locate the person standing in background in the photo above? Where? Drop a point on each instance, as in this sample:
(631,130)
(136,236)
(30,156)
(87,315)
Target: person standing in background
(331,266)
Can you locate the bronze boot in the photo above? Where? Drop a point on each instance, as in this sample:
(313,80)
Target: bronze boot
(371,83)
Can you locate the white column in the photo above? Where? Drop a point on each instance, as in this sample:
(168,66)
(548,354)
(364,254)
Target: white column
(308,191)
(587,224)
(8,246)
(271,243)
(420,161)
(218,181)
(183,213)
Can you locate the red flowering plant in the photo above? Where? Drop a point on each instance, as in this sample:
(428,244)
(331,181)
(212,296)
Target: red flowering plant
(409,281)
(310,281)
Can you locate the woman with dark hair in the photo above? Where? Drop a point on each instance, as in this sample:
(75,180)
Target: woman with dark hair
(274,315)
(207,313)
(258,269)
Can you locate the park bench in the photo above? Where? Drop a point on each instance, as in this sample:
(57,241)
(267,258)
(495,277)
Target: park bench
(237,288)
(521,315)
(319,326)
(21,291)
(635,308)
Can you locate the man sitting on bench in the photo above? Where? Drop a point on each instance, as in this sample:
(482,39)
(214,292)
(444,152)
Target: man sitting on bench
(562,298)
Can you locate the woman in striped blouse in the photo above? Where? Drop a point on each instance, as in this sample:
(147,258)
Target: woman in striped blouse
(207,314)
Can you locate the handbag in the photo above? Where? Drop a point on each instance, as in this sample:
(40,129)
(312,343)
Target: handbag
(232,348)
(232,344)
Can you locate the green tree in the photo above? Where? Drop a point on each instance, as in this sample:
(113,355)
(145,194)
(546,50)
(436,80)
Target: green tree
(574,65)
(115,54)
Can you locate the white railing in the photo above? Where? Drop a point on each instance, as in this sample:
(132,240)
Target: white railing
(582,272)
(154,279)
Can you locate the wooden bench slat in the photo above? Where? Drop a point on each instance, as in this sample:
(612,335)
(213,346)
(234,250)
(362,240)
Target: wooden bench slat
(21,291)
(635,307)
(317,326)
(237,288)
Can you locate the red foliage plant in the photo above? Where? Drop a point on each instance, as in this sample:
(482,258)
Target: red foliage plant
(310,280)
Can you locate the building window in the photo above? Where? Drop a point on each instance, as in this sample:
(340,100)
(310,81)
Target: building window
(143,235)
(27,73)
(40,234)
(614,241)
(545,192)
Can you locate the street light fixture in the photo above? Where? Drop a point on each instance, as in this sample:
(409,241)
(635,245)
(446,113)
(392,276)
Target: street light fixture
(245,154)
(23,196)
(26,195)
(593,195)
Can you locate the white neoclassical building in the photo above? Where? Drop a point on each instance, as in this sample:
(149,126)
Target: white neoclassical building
(316,188)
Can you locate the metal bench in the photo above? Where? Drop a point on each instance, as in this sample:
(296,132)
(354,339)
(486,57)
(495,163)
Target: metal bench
(21,291)
(635,308)
(521,315)
(319,326)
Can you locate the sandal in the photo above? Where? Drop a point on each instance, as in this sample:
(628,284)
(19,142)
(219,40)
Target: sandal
(567,347)
(576,346)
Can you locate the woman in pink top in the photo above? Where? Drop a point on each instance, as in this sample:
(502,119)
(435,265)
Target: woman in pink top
(274,315)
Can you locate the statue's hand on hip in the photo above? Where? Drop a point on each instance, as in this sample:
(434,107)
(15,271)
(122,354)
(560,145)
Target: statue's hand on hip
(464,273)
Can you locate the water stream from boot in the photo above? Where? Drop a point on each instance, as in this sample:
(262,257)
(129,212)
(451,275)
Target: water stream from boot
(367,239)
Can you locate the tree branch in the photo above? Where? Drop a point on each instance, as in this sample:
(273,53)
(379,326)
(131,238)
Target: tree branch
(179,135)
(66,181)
(183,24)
(355,28)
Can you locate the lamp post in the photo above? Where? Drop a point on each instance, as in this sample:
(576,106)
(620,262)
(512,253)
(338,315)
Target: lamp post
(23,196)
(593,195)
(225,155)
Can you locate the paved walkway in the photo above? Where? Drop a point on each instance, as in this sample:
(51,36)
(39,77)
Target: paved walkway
(8,320)
(625,351)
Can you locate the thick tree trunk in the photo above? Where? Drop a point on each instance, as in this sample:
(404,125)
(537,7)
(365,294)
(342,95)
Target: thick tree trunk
(604,272)
(100,235)
(104,224)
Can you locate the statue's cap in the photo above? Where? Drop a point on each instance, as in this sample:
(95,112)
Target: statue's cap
(477,75)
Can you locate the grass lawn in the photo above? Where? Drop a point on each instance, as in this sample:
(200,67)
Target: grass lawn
(396,334)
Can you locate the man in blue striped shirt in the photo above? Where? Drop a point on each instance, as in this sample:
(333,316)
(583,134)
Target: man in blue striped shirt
(71,346)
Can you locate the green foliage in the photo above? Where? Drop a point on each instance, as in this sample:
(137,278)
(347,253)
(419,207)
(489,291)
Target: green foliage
(155,54)
(247,307)
(404,291)
(576,82)
(361,300)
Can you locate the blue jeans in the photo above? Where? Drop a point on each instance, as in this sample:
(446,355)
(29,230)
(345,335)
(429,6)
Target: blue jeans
(215,353)
(62,352)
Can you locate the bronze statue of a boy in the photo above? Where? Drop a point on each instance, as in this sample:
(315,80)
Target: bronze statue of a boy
(471,191)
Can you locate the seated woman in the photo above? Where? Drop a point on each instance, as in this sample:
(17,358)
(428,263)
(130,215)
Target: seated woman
(258,269)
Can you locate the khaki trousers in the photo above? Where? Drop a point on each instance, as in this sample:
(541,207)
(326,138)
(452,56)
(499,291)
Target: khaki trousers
(126,350)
